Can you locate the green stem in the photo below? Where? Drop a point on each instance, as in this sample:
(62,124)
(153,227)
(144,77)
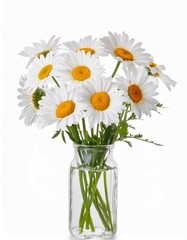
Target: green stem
(80,132)
(90,201)
(74,134)
(101,199)
(96,204)
(107,201)
(87,205)
(56,81)
(81,216)
(82,191)
(82,188)
(127,108)
(97,133)
(116,68)
(84,130)
(91,195)
(91,224)
(92,133)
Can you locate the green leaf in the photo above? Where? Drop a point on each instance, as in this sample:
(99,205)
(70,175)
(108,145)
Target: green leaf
(71,137)
(37,96)
(159,105)
(139,137)
(74,127)
(132,117)
(123,130)
(56,134)
(109,134)
(128,142)
(63,136)
(130,126)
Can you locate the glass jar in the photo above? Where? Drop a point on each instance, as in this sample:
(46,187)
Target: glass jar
(93,192)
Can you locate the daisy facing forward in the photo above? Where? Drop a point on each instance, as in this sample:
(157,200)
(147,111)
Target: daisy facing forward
(29,100)
(60,107)
(124,50)
(138,91)
(86,44)
(156,73)
(102,101)
(42,48)
(79,68)
(43,71)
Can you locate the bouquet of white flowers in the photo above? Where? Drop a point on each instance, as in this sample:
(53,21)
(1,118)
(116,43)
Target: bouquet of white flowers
(68,87)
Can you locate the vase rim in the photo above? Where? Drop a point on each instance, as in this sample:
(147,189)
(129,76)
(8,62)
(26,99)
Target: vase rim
(94,146)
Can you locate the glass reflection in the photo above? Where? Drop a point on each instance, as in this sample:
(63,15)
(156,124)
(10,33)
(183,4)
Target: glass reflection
(95,238)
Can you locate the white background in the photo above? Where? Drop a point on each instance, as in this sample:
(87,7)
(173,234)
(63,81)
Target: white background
(34,168)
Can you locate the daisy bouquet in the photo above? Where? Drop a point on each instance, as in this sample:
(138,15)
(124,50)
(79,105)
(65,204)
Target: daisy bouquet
(67,86)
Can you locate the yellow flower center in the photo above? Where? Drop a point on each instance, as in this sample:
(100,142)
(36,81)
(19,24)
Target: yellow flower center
(156,74)
(152,64)
(81,73)
(100,100)
(44,53)
(124,54)
(65,108)
(135,93)
(45,71)
(91,50)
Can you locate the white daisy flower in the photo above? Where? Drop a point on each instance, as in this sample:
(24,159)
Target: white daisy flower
(29,101)
(138,91)
(156,73)
(79,68)
(87,44)
(42,48)
(102,101)
(123,49)
(43,70)
(61,107)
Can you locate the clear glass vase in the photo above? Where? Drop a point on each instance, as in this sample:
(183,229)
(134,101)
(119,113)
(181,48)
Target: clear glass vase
(93,192)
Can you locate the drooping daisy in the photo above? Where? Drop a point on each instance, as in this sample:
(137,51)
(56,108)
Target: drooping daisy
(87,44)
(102,101)
(29,101)
(43,70)
(123,49)
(42,48)
(79,68)
(156,73)
(138,90)
(61,107)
